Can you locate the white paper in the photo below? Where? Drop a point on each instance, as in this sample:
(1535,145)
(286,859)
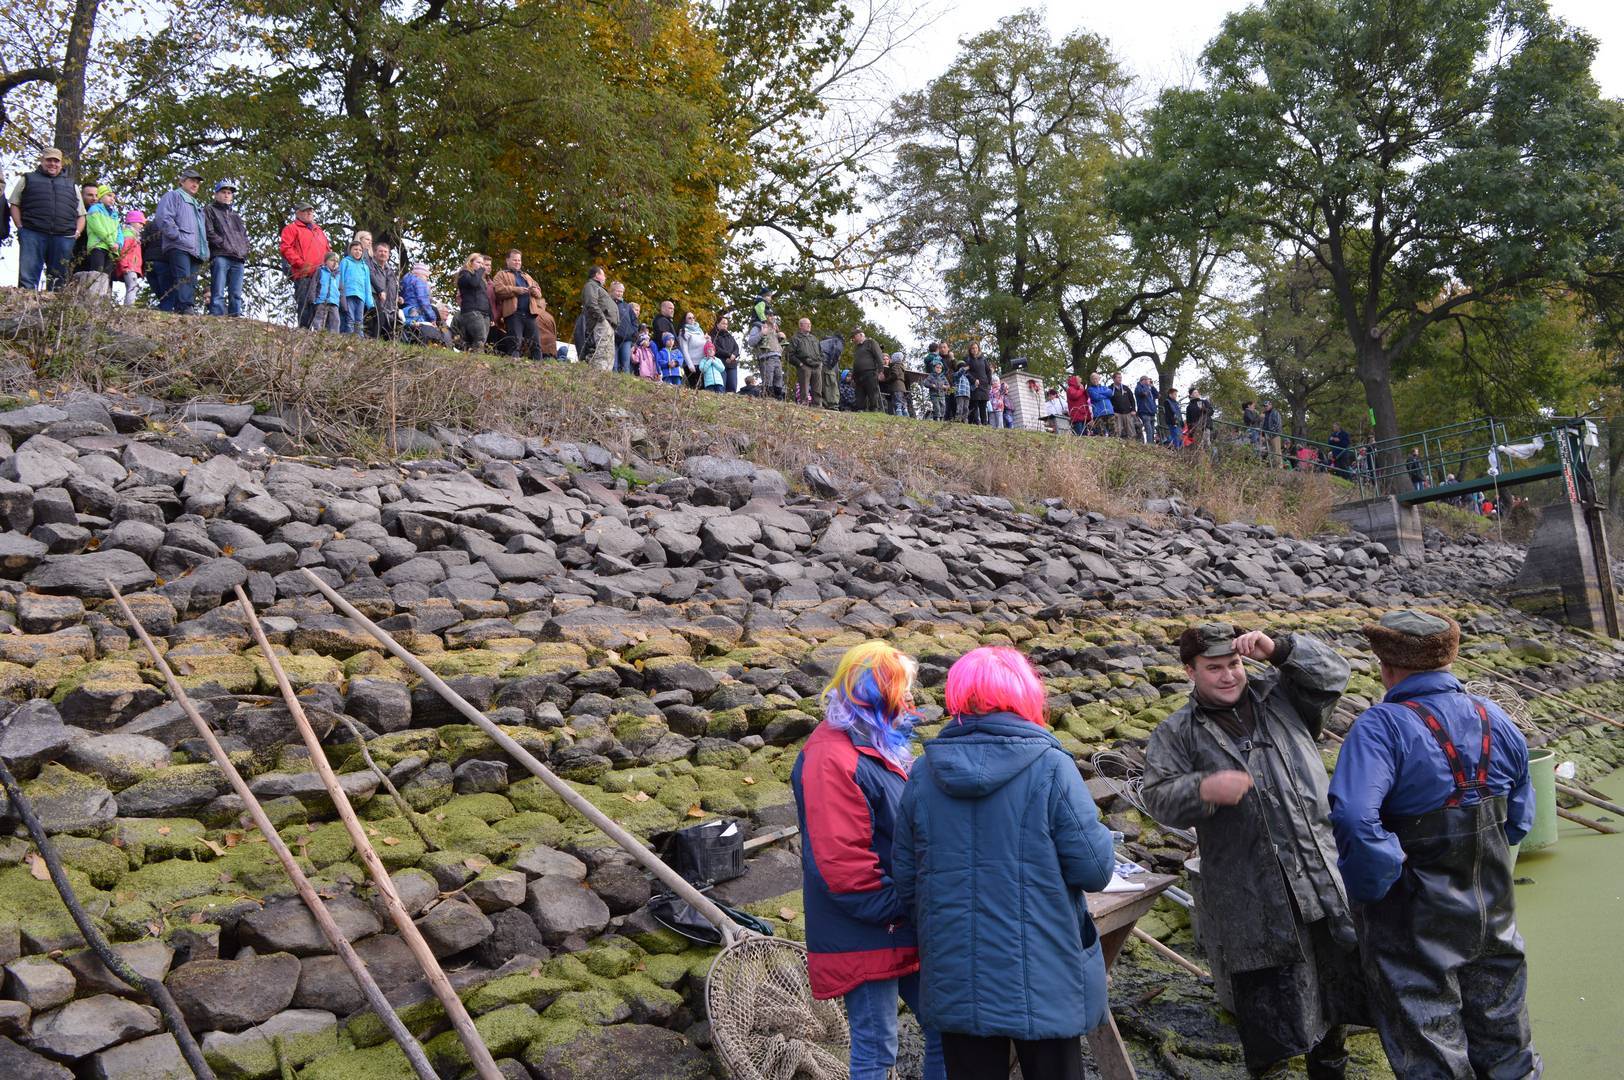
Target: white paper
(1118,885)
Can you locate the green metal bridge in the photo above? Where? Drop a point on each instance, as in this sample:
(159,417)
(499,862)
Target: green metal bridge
(1455,461)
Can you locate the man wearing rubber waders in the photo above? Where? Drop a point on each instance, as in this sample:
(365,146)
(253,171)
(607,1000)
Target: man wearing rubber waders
(1431,792)
(1241,765)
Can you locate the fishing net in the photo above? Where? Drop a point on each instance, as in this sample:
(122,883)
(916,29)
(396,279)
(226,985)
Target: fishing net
(1510,702)
(765,1024)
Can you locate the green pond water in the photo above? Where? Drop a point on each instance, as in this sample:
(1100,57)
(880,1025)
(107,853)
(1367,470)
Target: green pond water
(1571,914)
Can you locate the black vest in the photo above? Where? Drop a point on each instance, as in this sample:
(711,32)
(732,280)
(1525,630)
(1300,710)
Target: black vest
(50,204)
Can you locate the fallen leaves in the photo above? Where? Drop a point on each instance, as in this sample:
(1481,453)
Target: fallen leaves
(37,868)
(788,914)
(696,811)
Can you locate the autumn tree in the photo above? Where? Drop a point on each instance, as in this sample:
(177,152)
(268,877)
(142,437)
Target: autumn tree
(1465,138)
(1299,342)
(576,131)
(1000,168)
(71,69)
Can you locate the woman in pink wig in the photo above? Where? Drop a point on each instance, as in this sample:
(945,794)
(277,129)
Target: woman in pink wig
(997,841)
(848,780)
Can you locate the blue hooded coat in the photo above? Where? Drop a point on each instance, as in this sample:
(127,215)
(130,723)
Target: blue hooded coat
(997,841)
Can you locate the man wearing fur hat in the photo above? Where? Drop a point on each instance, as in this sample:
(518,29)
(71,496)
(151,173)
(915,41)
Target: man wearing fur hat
(1431,792)
(1240,763)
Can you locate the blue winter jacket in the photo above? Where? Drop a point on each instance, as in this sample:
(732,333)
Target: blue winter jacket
(857,931)
(1145,396)
(355,279)
(178,218)
(1391,766)
(997,841)
(1099,399)
(414,297)
(327,290)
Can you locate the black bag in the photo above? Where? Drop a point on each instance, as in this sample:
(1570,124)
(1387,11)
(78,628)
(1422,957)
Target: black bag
(674,913)
(704,854)
(5,218)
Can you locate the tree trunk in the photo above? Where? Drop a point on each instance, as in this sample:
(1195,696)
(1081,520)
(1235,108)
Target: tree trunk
(1375,371)
(70,86)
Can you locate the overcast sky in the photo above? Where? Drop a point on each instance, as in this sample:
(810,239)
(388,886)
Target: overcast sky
(1157,39)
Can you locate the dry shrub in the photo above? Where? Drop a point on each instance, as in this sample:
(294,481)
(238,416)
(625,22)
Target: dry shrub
(347,396)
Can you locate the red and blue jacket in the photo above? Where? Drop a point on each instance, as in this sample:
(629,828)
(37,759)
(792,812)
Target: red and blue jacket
(847,796)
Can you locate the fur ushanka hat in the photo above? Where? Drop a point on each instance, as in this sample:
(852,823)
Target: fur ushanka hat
(1414,640)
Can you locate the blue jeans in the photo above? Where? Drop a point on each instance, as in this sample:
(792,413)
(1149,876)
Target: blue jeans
(39,252)
(871,1011)
(225,285)
(623,357)
(1175,434)
(182,282)
(352,316)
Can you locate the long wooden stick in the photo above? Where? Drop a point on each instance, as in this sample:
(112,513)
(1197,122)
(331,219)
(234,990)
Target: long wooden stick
(1586,797)
(1569,815)
(318,910)
(484,1064)
(604,823)
(1168,954)
(153,989)
(1592,713)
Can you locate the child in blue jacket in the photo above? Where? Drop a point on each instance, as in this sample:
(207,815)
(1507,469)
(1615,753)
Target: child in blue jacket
(355,285)
(329,296)
(668,358)
(711,371)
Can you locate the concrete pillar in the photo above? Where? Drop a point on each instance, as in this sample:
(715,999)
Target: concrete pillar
(1558,579)
(1395,527)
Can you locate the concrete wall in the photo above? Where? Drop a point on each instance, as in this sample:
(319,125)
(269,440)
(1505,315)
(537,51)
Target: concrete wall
(1398,528)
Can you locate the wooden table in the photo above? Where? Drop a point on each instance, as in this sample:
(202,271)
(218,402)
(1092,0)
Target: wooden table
(1114,917)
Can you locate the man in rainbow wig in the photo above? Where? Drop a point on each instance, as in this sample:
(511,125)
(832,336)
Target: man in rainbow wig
(848,781)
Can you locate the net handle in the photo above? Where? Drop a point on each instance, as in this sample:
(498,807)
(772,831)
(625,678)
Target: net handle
(730,930)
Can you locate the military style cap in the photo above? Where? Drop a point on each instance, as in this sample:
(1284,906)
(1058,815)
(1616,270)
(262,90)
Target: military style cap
(1414,640)
(1414,623)
(1206,639)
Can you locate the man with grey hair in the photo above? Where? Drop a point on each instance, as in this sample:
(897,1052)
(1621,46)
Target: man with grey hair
(808,360)
(601,314)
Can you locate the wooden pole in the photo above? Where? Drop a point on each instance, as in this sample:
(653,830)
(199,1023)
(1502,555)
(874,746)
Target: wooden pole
(456,1012)
(318,910)
(607,825)
(1569,815)
(1586,797)
(1168,954)
(1592,713)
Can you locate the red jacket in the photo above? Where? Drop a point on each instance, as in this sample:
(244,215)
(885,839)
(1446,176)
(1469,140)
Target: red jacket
(1077,401)
(857,930)
(304,247)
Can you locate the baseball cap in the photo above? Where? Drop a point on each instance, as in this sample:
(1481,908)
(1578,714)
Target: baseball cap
(1206,639)
(303,205)
(191,174)
(226,185)
(52,152)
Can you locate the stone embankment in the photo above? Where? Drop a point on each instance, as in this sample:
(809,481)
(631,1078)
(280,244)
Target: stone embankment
(659,637)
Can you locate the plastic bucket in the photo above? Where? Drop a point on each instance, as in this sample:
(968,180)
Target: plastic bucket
(1542,764)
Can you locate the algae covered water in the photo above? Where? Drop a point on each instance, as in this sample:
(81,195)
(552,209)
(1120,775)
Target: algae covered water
(1570,909)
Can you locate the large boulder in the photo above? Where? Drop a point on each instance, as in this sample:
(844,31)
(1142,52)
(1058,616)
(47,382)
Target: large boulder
(562,907)
(82,1027)
(229,995)
(618,1050)
(156,1057)
(88,575)
(288,926)
(326,984)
